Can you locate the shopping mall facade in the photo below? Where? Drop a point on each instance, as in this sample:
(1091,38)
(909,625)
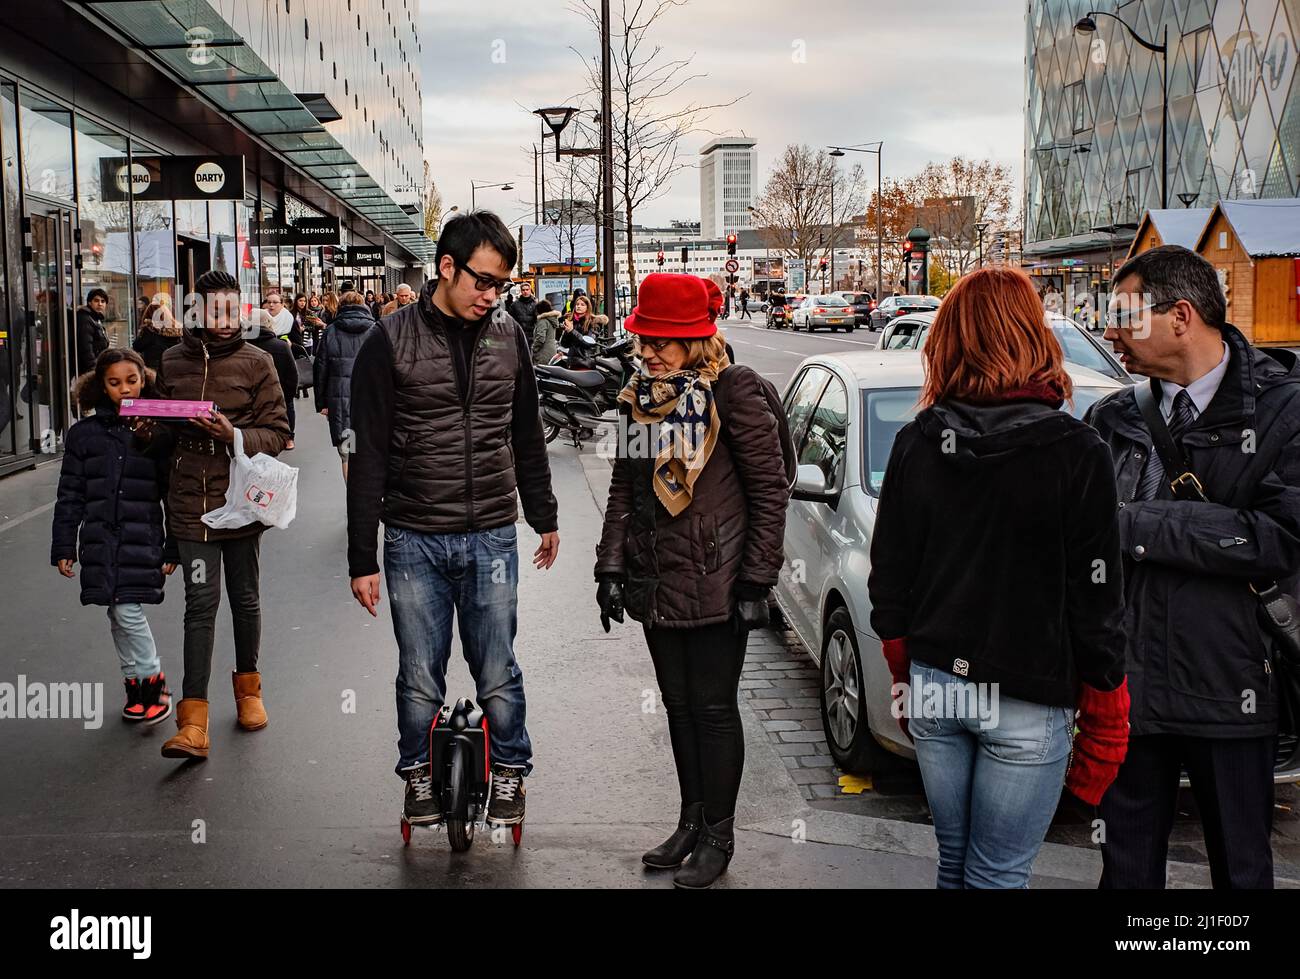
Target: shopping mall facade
(147,141)
(1095,105)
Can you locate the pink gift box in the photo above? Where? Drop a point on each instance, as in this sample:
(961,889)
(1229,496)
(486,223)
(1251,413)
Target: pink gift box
(155,408)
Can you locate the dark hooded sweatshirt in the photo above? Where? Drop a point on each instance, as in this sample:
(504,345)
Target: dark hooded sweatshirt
(996,550)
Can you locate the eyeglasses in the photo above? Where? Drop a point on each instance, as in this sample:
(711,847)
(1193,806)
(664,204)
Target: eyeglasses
(1122,317)
(656,345)
(485,282)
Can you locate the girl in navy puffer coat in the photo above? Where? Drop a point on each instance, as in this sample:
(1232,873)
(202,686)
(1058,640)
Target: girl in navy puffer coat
(109,508)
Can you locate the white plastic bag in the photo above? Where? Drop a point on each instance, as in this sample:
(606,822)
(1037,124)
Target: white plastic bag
(262,490)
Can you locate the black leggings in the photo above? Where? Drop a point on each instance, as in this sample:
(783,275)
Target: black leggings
(699,677)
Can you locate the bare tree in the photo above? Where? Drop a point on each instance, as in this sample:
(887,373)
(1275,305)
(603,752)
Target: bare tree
(794,212)
(650,117)
(955,197)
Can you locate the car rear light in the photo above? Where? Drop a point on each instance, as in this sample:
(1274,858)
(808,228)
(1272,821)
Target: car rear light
(819,310)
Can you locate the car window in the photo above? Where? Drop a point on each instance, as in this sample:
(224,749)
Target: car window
(831,301)
(904,336)
(884,413)
(827,438)
(1078,349)
(801,399)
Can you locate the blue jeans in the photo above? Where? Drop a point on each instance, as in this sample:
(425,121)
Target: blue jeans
(134,641)
(477,576)
(992,789)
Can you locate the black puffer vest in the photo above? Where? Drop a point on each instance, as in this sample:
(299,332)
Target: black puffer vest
(451,467)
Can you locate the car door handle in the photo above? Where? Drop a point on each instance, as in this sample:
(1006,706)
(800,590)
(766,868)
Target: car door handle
(840,539)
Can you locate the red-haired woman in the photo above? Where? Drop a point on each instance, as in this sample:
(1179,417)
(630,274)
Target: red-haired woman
(996,588)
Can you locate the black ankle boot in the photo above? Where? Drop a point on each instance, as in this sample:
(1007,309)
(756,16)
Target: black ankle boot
(710,857)
(672,851)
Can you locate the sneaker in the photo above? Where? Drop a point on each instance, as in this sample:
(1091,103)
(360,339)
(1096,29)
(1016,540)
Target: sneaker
(134,709)
(156,699)
(422,806)
(506,806)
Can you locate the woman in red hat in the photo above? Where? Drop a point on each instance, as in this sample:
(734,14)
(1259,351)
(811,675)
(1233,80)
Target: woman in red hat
(691,545)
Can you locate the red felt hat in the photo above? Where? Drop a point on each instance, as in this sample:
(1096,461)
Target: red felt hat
(675,306)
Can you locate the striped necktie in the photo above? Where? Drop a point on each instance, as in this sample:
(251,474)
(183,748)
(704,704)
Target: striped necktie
(1181,420)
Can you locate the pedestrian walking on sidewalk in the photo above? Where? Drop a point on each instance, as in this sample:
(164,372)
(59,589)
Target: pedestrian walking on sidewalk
(444,407)
(109,513)
(995,585)
(214,363)
(744,305)
(1205,687)
(691,546)
(333,371)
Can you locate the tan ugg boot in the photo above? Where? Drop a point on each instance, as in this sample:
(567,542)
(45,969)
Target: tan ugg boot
(248,700)
(191,738)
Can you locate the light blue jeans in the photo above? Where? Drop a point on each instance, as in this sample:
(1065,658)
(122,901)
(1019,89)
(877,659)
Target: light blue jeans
(134,641)
(992,790)
(476,577)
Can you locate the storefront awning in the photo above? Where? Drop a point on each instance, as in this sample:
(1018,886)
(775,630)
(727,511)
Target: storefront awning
(195,45)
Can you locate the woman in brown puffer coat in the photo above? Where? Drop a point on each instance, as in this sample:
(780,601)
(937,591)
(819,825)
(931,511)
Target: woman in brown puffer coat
(215,364)
(691,545)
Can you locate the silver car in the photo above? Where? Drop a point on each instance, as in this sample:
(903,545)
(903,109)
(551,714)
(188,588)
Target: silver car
(844,412)
(833,312)
(1077,344)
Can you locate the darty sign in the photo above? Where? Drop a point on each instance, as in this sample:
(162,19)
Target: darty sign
(172,178)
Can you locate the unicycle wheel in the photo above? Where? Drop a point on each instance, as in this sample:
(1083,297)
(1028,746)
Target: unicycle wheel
(460,834)
(406,833)
(517,831)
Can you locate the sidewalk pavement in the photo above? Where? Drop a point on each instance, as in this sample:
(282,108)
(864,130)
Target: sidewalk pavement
(312,801)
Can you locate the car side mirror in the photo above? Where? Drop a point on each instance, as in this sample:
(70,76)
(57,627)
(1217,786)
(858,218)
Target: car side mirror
(810,486)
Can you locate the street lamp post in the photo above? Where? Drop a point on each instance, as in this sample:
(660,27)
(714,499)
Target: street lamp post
(880,201)
(1088,25)
(476,186)
(982,227)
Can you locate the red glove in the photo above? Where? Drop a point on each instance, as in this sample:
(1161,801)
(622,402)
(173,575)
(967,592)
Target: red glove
(899,662)
(1101,743)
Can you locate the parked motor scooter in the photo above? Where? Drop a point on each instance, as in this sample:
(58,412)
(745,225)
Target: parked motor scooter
(579,389)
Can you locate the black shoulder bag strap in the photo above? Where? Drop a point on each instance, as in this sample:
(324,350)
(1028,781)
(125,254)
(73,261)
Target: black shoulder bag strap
(1178,470)
(1280,609)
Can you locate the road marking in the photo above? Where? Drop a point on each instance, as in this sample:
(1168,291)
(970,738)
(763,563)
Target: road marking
(797,353)
(761,346)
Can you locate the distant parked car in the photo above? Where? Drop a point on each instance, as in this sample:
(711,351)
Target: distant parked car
(895,306)
(844,411)
(828,311)
(1079,346)
(862,304)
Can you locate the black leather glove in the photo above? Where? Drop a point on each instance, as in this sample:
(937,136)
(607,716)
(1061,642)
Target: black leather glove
(751,607)
(609,596)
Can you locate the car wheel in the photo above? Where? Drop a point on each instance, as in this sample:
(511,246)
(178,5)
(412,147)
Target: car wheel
(843,704)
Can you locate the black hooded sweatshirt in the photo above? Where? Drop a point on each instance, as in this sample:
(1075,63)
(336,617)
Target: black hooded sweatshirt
(996,550)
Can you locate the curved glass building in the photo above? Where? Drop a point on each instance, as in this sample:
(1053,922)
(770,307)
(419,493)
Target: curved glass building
(1096,107)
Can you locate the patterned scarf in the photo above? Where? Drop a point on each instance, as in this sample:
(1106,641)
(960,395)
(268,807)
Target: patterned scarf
(681,405)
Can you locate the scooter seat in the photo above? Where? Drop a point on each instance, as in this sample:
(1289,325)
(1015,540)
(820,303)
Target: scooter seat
(583,379)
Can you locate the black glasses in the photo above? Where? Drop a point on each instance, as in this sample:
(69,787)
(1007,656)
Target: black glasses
(656,345)
(484,282)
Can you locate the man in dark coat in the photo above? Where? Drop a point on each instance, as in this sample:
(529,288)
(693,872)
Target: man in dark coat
(92,338)
(1204,697)
(524,308)
(332,379)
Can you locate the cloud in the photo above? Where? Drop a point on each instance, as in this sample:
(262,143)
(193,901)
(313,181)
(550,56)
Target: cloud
(933,80)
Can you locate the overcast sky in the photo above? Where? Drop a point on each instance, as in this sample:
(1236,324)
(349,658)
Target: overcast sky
(932,78)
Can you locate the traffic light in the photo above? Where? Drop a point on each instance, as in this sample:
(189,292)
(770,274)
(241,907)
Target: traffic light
(823,262)
(907,250)
(685,257)
(731,244)
(660,259)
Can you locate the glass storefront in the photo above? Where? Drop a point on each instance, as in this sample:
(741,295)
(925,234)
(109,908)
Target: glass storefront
(105,230)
